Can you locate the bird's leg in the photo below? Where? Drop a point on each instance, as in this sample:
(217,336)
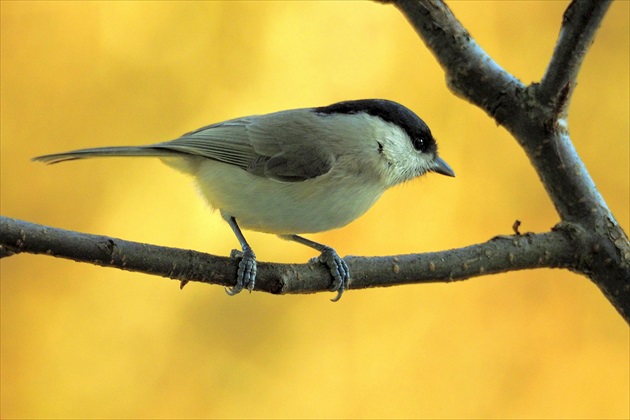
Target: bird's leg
(246,276)
(336,265)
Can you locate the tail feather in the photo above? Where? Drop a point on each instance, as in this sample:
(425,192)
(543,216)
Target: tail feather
(106,152)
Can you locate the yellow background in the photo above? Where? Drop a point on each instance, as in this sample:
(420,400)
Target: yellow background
(84,341)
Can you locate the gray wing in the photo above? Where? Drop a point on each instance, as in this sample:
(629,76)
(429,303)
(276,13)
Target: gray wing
(281,146)
(226,142)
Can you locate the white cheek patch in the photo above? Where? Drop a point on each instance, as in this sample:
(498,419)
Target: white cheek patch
(404,162)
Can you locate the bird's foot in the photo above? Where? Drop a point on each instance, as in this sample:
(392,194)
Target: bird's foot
(246,275)
(338,269)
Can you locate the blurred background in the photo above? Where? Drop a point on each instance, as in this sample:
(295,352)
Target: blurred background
(84,341)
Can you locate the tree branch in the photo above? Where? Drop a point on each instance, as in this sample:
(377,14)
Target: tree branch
(536,116)
(500,254)
(470,72)
(587,240)
(579,25)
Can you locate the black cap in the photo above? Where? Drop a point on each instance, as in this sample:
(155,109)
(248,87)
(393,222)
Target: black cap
(391,112)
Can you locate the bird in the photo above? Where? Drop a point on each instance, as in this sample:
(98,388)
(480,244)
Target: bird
(296,171)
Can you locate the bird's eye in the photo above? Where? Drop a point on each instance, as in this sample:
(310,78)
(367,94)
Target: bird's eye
(418,144)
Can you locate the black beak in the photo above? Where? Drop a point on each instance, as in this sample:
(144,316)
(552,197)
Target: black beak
(441,167)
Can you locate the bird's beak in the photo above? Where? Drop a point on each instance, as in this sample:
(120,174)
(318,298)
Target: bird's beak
(442,167)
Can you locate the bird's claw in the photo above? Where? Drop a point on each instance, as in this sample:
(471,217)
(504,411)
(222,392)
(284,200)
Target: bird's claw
(338,270)
(246,275)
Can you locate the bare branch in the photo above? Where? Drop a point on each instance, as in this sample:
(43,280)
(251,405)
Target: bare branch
(470,72)
(587,240)
(535,115)
(503,253)
(579,25)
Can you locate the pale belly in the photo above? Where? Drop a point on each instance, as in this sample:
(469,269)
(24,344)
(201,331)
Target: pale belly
(265,205)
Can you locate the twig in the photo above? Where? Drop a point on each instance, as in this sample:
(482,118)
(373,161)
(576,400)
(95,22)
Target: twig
(579,25)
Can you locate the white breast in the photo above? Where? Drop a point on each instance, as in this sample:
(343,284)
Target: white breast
(270,206)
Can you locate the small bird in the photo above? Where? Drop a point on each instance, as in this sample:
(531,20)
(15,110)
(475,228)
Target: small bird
(297,171)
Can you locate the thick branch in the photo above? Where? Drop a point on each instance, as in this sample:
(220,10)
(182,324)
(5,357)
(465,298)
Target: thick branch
(474,76)
(504,253)
(535,115)
(470,72)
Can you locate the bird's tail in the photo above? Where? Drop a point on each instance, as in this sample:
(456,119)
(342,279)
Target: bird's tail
(107,152)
